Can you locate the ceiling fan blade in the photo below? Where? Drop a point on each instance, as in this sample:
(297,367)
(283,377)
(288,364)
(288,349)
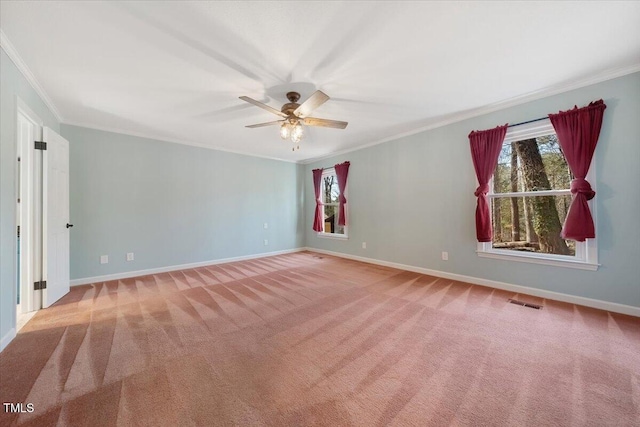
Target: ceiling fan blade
(312,121)
(317,99)
(263,106)
(259,125)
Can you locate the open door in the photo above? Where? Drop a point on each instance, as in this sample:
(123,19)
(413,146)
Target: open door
(55,216)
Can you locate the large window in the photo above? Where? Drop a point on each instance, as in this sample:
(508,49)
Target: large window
(330,194)
(530,196)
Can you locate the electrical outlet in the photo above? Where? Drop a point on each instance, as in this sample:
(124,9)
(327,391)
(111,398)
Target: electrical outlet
(104,259)
(364,245)
(266,242)
(266,225)
(130,256)
(445,256)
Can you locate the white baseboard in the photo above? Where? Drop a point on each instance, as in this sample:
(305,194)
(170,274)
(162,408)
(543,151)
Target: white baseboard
(7,338)
(129,274)
(557,296)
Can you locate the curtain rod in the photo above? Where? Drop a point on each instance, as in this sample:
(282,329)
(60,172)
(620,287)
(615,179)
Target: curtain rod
(528,121)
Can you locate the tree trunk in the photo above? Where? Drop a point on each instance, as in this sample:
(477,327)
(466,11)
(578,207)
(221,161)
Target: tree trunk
(515,214)
(532,237)
(328,183)
(546,222)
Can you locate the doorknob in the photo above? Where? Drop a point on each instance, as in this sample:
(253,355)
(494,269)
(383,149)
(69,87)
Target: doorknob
(69,225)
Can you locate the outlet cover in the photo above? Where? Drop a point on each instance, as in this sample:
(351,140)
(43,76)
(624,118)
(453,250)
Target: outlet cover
(266,242)
(445,256)
(104,259)
(130,256)
(364,245)
(266,225)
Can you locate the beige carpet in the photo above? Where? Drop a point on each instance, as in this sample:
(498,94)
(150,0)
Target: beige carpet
(305,339)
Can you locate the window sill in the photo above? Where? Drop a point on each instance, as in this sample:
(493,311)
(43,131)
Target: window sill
(580,265)
(333,236)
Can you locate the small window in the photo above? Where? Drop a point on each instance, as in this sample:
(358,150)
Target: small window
(331,201)
(530,197)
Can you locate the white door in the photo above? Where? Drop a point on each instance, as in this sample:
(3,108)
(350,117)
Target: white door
(55,214)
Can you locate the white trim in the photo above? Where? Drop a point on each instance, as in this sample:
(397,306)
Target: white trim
(556,296)
(15,57)
(129,274)
(171,141)
(336,236)
(26,110)
(538,259)
(529,130)
(28,206)
(501,105)
(7,338)
(530,194)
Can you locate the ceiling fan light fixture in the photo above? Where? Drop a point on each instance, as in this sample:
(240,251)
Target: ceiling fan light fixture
(285,131)
(297,133)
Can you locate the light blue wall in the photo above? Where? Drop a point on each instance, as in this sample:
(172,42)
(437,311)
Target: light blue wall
(412,198)
(12,85)
(173,204)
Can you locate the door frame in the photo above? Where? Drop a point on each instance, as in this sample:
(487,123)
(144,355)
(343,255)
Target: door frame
(27,215)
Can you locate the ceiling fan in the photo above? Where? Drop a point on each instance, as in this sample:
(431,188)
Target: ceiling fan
(294,115)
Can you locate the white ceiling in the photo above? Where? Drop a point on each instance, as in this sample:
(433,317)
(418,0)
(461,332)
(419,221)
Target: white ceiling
(174,70)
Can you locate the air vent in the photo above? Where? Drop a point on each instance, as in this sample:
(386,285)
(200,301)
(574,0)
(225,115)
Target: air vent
(525,304)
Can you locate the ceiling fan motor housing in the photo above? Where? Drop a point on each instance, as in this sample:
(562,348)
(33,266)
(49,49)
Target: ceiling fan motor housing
(292,105)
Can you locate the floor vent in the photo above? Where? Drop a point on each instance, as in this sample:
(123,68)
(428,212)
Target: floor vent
(525,304)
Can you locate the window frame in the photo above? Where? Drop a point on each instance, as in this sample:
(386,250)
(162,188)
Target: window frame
(586,253)
(328,172)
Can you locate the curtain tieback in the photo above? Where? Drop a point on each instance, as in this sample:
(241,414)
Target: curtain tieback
(580,185)
(483,189)
(342,199)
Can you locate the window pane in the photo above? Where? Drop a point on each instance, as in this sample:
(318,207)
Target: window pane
(330,190)
(531,224)
(532,165)
(331,220)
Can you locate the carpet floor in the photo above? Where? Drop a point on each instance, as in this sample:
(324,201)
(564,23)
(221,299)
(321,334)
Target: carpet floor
(308,339)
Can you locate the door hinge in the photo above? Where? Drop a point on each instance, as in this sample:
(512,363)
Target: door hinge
(18,231)
(41,145)
(39,285)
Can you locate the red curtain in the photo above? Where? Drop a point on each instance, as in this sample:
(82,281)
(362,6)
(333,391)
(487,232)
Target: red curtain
(578,132)
(342,171)
(318,221)
(485,149)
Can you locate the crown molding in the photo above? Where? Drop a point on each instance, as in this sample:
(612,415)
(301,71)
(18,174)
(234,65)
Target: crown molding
(501,105)
(13,54)
(170,141)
